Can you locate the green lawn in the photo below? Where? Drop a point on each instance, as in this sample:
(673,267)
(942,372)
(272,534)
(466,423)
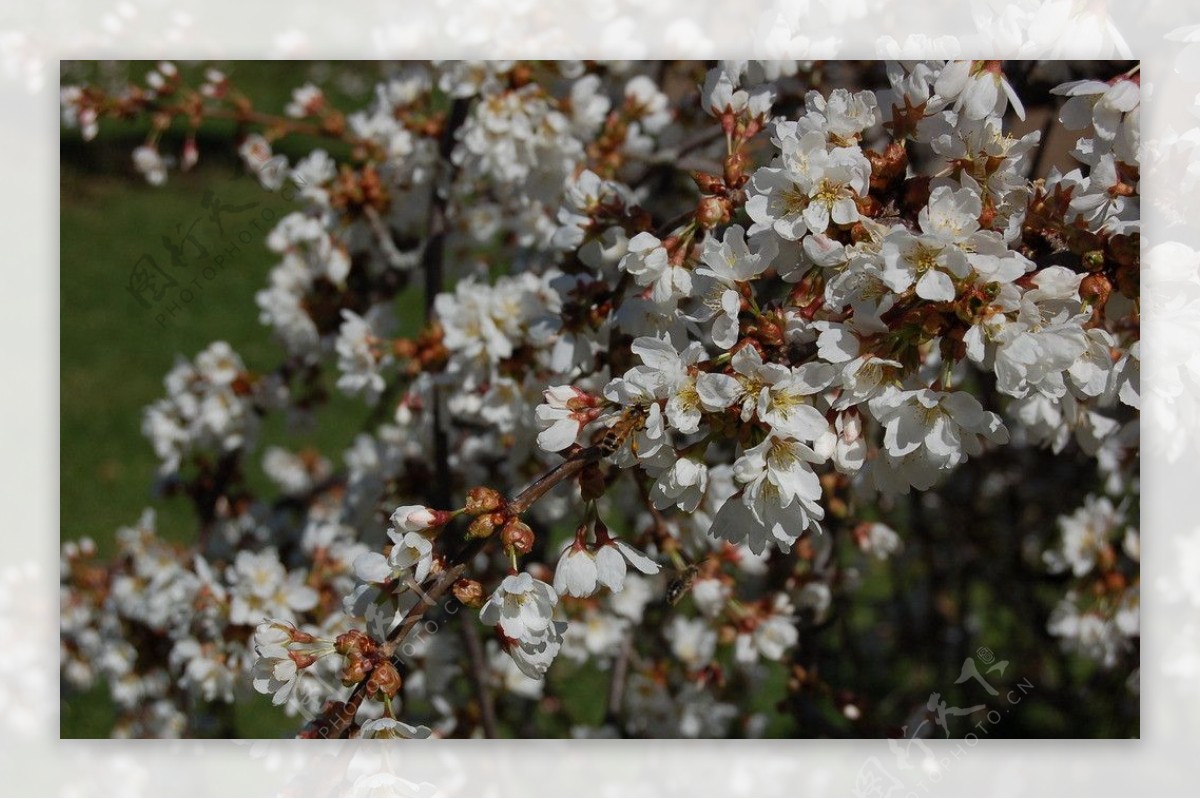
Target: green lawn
(114,354)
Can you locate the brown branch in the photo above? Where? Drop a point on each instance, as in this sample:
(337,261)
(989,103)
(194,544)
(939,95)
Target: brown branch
(487,705)
(616,687)
(340,717)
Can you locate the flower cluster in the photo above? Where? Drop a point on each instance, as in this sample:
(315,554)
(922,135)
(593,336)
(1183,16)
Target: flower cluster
(719,336)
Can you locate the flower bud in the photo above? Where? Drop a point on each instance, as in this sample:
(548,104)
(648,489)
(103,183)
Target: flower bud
(386,679)
(415,518)
(469,592)
(770,330)
(352,641)
(712,211)
(404,348)
(518,535)
(735,169)
(888,166)
(191,154)
(484,525)
(708,184)
(1095,290)
(356,669)
(868,206)
(484,500)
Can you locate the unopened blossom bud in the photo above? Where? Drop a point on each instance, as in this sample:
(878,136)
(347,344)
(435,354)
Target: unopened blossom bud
(484,500)
(518,535)
(868,206)
(770,331)
(484,525)
(468,592)
(356,669)
(386,679)
(735,169)
(191,154)
(1095,290)
(708,184)
(404,348)
(987,216)
(352,641)
(433,356)
(415,518)
(713,211)
(887,166)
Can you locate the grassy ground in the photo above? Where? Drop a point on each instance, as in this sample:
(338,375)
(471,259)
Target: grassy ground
(115,352)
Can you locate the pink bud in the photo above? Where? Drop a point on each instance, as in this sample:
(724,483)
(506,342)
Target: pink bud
(191,154)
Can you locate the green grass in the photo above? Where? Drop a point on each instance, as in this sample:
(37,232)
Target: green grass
(114,354)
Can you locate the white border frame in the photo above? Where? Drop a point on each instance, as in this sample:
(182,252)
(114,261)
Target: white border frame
(32,40)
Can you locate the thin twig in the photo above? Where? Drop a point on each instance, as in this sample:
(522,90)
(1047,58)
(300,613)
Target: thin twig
(616,687)
(487,705)
(387,244)
(341,716)
(1043,146)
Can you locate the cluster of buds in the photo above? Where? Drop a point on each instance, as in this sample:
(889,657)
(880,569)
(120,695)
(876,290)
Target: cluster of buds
(742,113)
(364,659)
(426,353)
(491,512)
(354,190)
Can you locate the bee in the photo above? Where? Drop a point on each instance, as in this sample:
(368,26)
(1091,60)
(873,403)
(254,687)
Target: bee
(679,587)
(615,436)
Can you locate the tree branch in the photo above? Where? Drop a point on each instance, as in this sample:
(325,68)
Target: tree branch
(340,716)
